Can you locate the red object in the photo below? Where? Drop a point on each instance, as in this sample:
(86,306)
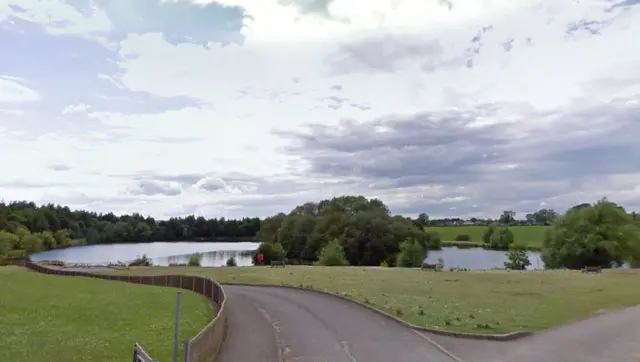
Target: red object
(260,258)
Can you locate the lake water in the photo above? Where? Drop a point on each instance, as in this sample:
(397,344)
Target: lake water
(477,258)
(161,253)
(216,254)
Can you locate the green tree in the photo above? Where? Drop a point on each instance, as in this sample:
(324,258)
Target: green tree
(31,243)
(270,251)
(48,241)
(602,234)
(412,254)
(7,242)
(332,254)
(517,258)
(501,238)
(488,233)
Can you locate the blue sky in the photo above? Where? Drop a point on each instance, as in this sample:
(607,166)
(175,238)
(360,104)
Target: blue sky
(237,107)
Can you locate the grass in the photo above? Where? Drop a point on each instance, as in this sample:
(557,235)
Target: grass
(60,318)
(530,236)
(480,302)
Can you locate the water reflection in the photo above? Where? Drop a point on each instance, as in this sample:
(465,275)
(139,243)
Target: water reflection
(210,258)
(478,258)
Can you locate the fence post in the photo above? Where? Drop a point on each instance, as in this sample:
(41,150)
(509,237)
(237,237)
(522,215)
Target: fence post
(176,335)
(186,345)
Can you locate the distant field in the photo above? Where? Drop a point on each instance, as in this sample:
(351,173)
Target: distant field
(61,318)
(528,235)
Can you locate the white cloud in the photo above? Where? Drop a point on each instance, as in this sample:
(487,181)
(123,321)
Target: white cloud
(12,91)
(390,58)
(76,108)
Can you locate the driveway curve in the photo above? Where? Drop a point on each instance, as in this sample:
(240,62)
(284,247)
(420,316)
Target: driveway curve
(267,324)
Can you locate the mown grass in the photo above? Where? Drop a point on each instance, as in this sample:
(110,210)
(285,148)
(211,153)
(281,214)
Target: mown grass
(480,302)
(528,235)
(61,318)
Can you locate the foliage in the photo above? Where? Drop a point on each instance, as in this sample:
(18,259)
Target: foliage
(73,328)
(412,254)
(231,262)
(142,261)
(501,238)
(195,259)
(488,233)
(440,264)
(602,234)
(364,227)
(108,228)
(517,258)
(270,252)
(463,237)
(332,254)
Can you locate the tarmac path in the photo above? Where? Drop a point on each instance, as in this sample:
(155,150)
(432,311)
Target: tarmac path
(282,324)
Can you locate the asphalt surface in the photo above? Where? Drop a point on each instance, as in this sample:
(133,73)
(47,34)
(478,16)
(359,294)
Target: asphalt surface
(611,336)
(281,324)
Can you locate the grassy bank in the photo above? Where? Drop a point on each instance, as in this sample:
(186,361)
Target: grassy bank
(59,318)
(531,236)
(480,302)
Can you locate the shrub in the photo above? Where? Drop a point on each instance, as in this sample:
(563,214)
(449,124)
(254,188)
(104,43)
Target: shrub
(332,254)
(518,258)
(463,237)
(270,251)
(232,262)
(434,242)
(440,264)
(411,255)
(195,259)
(384,264)
(488,233)
(501,238)
(141,261)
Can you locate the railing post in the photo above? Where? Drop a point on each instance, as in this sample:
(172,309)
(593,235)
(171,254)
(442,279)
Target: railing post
(186,345)
(176,334)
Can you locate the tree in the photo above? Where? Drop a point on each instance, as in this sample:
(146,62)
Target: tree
(422,220)
(507,217)
(270,251)
(332,254)
(517,258)
(412,254)
(501,238)
(486,237)
(602,234)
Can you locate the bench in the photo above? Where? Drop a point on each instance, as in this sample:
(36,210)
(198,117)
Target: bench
(429,266)
(592,269)
(275,263)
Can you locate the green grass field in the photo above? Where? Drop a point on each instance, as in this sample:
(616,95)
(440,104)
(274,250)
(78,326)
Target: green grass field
(61,318)
(528,235)
(481,302)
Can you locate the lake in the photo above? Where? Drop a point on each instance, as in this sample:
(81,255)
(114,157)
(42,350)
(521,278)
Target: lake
(162,253)
(216,254)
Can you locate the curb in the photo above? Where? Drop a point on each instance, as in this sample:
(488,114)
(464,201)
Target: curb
(462,335)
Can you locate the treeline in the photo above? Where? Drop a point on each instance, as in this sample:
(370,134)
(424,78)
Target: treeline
(368,234)
(85,227)
(540,217)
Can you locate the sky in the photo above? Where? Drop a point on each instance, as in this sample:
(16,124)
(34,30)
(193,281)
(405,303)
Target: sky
(233,108)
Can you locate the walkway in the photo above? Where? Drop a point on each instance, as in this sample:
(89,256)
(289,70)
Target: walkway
(310,327)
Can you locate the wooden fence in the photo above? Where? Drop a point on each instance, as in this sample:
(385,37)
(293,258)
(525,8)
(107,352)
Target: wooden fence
(205,346)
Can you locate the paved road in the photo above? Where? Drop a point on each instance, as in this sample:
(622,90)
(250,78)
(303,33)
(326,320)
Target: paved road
(613,336)
(266,324)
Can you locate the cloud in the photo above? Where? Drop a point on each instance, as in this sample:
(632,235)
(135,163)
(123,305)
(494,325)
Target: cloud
(12,91)
(75,108)
(239,108)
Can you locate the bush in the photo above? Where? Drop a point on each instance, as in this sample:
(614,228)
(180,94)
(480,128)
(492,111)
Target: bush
(434,242)
(332,254)
(463,237)
(141,261)
(488,233)
(384,264)
(232,262)
(270,251)
(440,264)
(411,255)
(195,259)
(518,258)
(501,238)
